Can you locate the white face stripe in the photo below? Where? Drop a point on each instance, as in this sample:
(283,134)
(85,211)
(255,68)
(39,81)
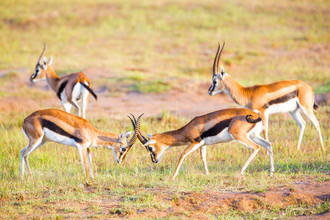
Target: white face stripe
(115,154)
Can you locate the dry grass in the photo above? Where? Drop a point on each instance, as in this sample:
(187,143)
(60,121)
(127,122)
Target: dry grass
(155,46)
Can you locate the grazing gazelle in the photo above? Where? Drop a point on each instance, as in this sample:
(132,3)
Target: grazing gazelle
(280,97)
(64,128)
(238,124)
(69,88)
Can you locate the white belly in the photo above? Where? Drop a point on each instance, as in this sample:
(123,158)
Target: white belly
(223,136)
(284,107)
(52,136)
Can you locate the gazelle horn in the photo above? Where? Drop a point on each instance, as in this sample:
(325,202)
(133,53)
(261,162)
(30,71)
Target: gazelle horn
(217,65)
(42,53)
(136,126)
(141,138)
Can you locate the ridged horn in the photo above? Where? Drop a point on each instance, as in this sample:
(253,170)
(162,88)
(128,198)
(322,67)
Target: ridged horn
(42,53)
(136,126)
(141,138)
(215,60)
(217,65)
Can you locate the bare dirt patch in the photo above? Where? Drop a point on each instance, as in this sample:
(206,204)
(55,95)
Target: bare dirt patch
(199,205)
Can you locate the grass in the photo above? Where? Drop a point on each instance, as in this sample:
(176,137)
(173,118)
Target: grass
(156,47)
(135,184)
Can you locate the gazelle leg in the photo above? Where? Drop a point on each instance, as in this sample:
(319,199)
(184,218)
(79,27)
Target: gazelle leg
(302,124)
(84,103)
(67,106)
(316,123)
(83,157)
(203,157)
(76,106)
(22,162)
(262,142)
(247,142)
(265,118)
(192,147)
(89,157)
(24,154)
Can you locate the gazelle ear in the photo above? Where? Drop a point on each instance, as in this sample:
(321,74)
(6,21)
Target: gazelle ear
(128,134)
(44,63)
(121,136)
(223,71)
(150,142)
(50,61)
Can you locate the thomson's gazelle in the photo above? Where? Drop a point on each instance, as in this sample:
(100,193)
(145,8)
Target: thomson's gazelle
(64,128)
(69,88)
(280,97)
(238,124)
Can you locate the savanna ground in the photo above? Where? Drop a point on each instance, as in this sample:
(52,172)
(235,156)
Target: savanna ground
(156,57)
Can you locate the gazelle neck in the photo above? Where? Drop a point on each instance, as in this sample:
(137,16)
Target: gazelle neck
(52,78)
(235,91)
(173,138)
(105,139)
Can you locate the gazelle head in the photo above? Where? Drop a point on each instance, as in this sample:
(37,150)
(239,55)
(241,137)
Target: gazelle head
(153,145)
(217,79)
(41,67)
(124,145)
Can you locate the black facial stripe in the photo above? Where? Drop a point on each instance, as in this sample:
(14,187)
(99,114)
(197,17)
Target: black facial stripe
(60,90)
(211,88)
(53,127)
(282,99)
(216,129)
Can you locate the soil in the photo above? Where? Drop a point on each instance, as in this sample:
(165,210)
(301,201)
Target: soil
(200,205)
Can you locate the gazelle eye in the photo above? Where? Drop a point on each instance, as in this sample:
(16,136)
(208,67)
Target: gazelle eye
(150,149)
(123,149)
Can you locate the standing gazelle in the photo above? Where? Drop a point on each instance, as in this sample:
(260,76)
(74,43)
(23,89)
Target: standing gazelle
(64,128)
(238,124)
(280,97)
(69,88)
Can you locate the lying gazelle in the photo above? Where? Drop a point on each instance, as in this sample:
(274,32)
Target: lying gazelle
(64,128)
(69,88)
(238,124)
(280,97)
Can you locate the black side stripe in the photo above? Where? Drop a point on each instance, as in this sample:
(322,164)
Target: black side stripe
(282,99)
(216,129)
(53,127)
(60,90)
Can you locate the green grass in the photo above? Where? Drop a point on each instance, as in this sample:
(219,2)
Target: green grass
(135,183)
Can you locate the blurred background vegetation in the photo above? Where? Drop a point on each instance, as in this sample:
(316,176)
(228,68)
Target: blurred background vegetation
(266,41)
